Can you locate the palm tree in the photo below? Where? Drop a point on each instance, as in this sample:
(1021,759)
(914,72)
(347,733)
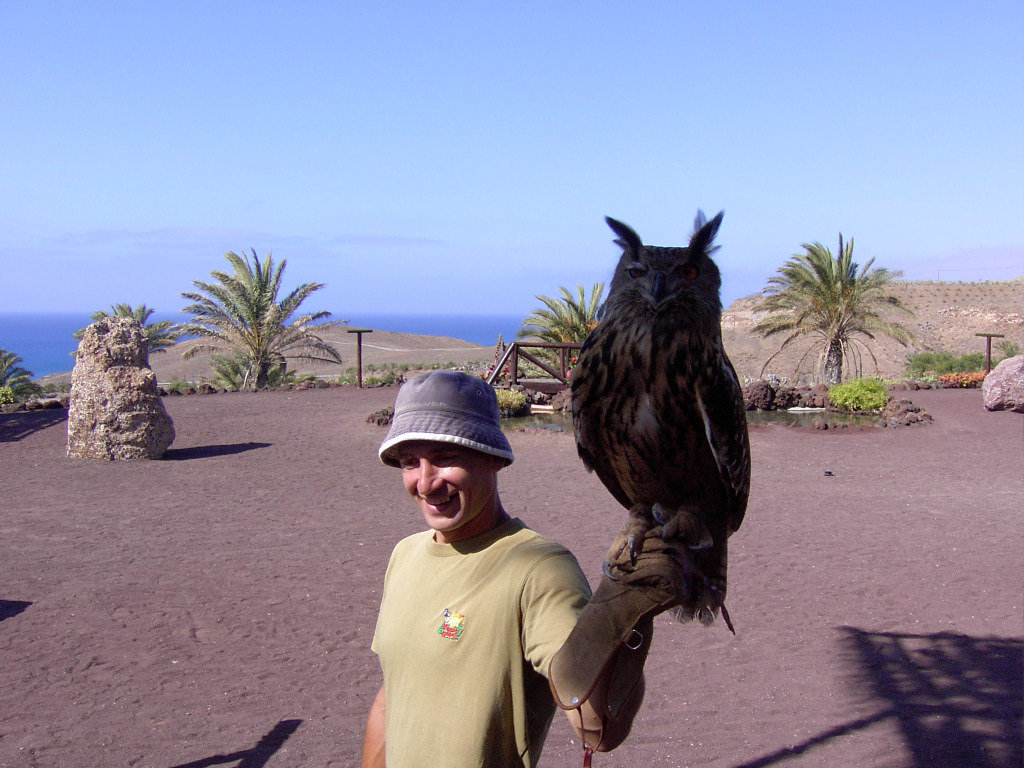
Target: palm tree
(565,319)
(240,313)
(161,334)
(234,371)
(830,298)
(15,379)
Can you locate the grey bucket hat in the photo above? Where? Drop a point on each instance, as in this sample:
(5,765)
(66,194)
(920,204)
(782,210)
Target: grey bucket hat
(447,407)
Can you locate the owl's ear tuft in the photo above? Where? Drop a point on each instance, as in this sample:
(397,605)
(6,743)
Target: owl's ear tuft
(704,232)
(627,237)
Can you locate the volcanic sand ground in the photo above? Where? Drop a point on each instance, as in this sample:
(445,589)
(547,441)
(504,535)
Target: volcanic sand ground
(216,608)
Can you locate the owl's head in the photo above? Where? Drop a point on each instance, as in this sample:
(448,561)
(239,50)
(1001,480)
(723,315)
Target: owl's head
(667,279)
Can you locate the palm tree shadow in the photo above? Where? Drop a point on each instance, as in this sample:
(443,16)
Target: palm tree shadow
(19,425)
(256,756)
(209,451)
(958,700)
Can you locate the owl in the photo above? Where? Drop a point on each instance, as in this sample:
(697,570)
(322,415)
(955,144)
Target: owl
(658,412)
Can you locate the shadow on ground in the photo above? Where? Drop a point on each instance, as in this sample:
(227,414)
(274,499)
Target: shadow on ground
(207,451)
(958,700)
(254,757)
(11,608)
(19,425)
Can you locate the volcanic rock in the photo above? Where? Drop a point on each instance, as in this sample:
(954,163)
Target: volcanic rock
(1003,388)
(115,412)
(759,395)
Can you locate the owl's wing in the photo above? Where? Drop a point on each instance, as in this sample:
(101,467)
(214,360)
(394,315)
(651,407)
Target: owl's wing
(726,424)
(589,381)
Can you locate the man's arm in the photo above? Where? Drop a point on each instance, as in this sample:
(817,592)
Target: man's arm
(605,733)
(604,720)
(373,741)
(606,650)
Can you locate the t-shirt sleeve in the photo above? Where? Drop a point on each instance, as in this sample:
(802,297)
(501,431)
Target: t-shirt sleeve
(554,593)
(391,561)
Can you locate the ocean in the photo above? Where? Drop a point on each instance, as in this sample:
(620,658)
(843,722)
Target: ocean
(44,342)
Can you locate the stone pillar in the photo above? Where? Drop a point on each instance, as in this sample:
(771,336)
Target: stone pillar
(115,412)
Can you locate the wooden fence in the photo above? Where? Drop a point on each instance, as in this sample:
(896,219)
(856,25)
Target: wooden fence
(517,349)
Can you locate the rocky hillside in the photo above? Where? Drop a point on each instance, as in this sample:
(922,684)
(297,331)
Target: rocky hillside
(946,318)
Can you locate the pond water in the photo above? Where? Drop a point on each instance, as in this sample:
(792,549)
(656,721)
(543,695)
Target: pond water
(805,417)
(557,421)
(561,421)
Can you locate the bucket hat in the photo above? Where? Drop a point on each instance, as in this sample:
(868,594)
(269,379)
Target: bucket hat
(446,407)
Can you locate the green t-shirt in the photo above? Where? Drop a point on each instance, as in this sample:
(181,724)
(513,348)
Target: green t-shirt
(464,637)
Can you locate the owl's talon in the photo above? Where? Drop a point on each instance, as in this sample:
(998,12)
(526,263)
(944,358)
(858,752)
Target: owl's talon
(682,615)
(634,548)
(660,514)
(606,569)
(705,543)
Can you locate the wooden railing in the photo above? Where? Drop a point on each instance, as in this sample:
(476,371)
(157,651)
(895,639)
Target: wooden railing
(517,349)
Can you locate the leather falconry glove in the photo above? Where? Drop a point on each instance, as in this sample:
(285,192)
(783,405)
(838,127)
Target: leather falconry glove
(613,634)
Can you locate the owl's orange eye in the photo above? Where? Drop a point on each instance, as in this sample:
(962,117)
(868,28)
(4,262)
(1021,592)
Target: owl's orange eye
(636,270)
(687,271)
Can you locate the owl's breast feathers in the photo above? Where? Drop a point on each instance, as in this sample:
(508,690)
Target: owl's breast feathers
(660,419)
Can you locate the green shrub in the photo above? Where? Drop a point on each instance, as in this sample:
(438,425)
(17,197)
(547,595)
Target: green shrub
(859,395)
(512,402)
(387,378)
(1008,348)
(929,365)
(7,396)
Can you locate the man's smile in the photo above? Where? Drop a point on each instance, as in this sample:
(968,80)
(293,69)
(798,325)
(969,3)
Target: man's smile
(439,501)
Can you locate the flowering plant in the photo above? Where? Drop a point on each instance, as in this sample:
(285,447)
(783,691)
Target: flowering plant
(962,379)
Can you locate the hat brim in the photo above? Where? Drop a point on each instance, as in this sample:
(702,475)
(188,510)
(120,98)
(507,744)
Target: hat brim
(443,426)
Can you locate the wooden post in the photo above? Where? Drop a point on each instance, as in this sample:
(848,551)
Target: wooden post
(359,352)
(988,347)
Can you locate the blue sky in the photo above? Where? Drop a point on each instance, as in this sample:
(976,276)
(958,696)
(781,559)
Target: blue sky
(460,157)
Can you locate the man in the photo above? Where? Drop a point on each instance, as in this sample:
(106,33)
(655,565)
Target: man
(475,608)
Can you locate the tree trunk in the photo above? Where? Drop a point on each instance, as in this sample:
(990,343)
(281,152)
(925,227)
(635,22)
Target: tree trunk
(834,363)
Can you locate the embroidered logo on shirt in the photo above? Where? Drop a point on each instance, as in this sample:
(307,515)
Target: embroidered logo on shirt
(451,625)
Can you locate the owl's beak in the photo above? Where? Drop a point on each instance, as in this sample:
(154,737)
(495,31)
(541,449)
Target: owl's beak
(658,289)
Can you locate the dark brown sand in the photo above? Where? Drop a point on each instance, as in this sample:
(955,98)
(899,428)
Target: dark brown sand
(216,608)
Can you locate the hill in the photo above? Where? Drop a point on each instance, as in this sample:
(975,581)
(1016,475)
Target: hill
(946,318)
(379,348)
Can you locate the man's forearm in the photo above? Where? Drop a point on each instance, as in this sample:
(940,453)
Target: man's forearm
(373,741)
(604,719)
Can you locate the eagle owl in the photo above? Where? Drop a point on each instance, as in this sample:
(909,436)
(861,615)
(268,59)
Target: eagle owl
(658,411)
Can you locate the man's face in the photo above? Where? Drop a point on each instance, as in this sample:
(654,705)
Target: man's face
(455,488)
